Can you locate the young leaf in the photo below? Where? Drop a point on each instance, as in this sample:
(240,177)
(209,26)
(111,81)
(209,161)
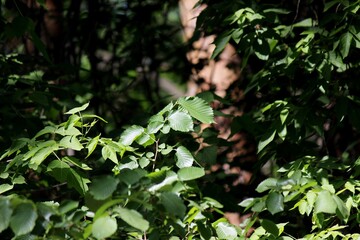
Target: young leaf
(104,227)
(41,155)
(109,152)
(190,173)
(198,109)
(131,134)
(183,157)
(133,218)
(5,213)
(92,145)
(225,231)
(275,202)
(180,121)
(78,109)
(103,187)
(5,187)
(23,219)
(71,142)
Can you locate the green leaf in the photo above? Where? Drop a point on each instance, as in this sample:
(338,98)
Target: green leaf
(78,182)
(342,211)
(71,142)
(71,131)
(103,187)
(173,204)
(131,134)
(266,139)
(345,42)
(198,109)
(269,183)
(23,219)
(180,121)
(170,178)
(41,155)
(133,218)
(275,202)
(5,187)
(76,162)
(39,45)
(247,202)
(104,227)
(59,170)
(308,22)
(92,145)
(183,157)
(190,173)
(5,213)
(270,227)
(226,231)
(220,43)
(325,203)
(73,119)
(78,109)
(109,152)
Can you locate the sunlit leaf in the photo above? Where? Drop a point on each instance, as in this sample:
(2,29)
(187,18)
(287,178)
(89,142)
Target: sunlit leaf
(198,109)
(225,231)
(190,173)
(131,134)
(180,121)
(104,227)
(78,109)
(183,157)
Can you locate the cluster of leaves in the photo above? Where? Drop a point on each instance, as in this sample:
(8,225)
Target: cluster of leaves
(300,68)
(63,183)
(59,54)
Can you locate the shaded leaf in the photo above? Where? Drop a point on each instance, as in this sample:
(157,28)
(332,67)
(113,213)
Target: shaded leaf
(345,42)
(173,204)
(220,43)
(266,139)
(267,184)
(275,202)
(103,187)
(5,213)
(270,227)
(23,219)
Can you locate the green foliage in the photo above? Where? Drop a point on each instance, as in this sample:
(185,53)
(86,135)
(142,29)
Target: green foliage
(300,66)
(148,188)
